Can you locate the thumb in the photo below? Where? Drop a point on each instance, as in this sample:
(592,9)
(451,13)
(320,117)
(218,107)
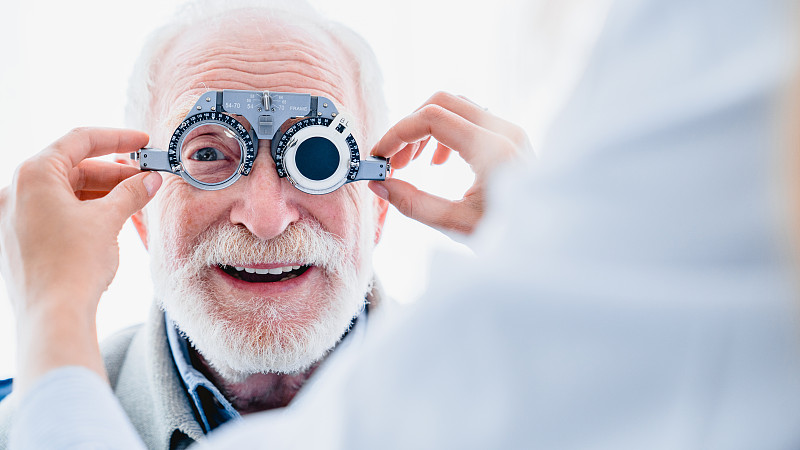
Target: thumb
(434,211)
(131,195)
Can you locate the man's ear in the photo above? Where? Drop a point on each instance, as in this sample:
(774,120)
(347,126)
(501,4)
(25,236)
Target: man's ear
(139,221)
(382,207)
(139,218)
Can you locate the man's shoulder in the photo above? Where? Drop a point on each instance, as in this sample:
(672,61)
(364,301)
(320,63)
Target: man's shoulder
(120,341)
(114,350)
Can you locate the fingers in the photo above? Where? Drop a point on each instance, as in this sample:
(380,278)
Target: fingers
(95,175)
(429,209)
(478,115)
(82,143)
(458,125)
(447,117)
(448,128)
(131,195)
(473,112)
(420,147)
(441,154)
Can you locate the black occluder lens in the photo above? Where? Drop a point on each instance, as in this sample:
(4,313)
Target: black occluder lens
(317,158)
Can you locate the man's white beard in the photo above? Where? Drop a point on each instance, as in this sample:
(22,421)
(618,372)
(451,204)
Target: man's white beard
(239,338)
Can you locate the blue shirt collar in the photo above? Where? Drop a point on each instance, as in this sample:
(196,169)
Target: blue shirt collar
(211,407)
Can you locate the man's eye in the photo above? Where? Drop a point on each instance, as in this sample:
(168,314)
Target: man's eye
(208,154)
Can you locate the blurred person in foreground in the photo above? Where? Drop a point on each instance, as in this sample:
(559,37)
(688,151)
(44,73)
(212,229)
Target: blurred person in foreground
(257,283)
(632,288)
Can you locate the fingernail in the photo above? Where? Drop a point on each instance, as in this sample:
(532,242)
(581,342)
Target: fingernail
(379,190)
(151,182)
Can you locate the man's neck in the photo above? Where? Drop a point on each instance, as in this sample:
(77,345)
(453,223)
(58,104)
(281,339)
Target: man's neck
(258,392)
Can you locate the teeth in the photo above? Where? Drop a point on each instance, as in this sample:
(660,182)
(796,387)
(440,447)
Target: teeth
(275,271)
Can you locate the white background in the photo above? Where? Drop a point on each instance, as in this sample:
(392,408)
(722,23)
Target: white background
(66,64)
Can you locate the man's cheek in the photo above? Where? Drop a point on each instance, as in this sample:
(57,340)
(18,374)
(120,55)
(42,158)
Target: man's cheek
(348,213)
(179,218)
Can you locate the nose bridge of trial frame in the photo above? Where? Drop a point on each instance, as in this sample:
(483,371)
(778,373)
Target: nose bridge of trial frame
(265,110)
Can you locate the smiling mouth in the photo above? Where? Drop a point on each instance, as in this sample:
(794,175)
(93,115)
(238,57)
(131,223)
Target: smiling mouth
(252,275)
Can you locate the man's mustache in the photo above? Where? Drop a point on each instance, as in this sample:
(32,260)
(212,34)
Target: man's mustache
(303,242)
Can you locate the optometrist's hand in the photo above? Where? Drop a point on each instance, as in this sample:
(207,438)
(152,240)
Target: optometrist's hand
(481,138)
(59,222)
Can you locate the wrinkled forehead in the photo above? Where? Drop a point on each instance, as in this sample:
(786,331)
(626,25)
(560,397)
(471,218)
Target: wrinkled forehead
(253,52)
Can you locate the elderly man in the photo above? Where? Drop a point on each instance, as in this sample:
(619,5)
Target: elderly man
(227,336)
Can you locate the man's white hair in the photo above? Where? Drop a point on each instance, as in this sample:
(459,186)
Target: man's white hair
(210,13)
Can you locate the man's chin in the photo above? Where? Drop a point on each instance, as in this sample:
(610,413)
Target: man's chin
(241,334)
(236,352)
(230,374)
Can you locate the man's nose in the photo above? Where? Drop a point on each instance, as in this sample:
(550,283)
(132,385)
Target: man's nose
(265,203)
